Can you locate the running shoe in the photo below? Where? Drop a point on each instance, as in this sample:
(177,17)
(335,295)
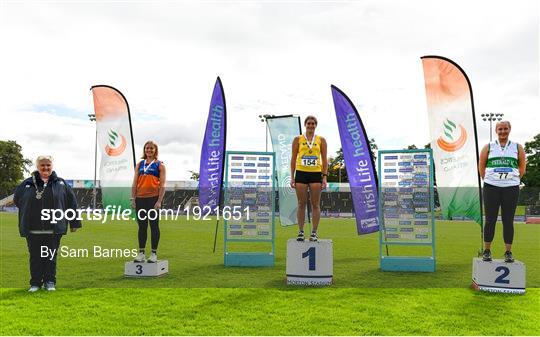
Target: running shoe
(50,286)
(300,236)
(486,256)
(313,237)
(152,258)
(508,257)
(33,289)
(140,257)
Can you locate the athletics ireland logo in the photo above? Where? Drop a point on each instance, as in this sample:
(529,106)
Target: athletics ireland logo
(453,138)
(117,144)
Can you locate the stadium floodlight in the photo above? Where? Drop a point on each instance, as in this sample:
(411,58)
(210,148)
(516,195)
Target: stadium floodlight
(263,119)
(490,117)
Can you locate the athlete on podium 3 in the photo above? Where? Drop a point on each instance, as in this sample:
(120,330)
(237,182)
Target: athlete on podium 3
(44,190)
(501,165)
(147,194)
(309,168)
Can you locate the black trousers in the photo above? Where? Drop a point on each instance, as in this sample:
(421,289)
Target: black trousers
(143,221)
(42,269)
(506,199)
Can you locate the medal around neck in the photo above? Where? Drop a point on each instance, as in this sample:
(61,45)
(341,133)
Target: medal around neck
(308,143)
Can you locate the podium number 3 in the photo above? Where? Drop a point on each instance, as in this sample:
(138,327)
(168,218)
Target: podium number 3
(505,272)
(139,269)
(310,253)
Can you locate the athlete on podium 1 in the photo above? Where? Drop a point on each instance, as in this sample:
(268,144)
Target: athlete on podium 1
(501,165)
(147,194)
(309,168)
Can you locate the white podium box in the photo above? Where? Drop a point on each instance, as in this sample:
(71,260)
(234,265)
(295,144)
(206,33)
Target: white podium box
(310,263)
(146,269)
(498,276)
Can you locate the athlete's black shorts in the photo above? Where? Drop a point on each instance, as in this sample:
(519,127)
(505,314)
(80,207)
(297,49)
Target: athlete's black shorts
(304,177)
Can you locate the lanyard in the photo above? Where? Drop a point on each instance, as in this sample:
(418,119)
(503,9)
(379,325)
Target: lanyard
(503,148)
(310,144)
(145,168)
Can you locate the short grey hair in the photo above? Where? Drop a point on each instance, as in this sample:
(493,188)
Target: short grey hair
(501,122)
(39,159)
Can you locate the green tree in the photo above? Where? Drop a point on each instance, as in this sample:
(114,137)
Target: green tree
(532,173)
(373,148)
(336,165)
(194,175)
(529,194)
(12,166)
(411,147)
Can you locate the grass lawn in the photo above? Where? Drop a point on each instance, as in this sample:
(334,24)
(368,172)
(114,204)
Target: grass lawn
(201,296)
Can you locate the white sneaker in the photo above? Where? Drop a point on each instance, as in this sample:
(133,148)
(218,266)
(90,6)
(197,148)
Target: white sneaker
(33,289)
(49,286)
(152,258)
(140,257)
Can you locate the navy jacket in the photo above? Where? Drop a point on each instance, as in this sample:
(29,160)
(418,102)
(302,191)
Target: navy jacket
(63,198)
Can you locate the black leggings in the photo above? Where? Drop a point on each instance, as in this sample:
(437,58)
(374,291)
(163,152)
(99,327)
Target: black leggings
(147,204)
(506,198)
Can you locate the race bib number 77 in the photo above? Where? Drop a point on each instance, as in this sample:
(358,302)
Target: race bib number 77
(503,173)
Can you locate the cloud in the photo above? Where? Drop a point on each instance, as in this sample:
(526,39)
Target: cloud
(166,132)
(273,58)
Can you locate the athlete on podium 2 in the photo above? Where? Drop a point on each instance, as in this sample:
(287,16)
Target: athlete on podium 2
(44,190)
(147,194)
(309,168)
(501,165)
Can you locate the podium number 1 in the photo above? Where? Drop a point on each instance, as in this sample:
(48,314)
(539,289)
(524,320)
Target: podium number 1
(505,272)
(310,253)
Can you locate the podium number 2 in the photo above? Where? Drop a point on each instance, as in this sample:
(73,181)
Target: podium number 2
(139,269)
(505,272)
(310,253)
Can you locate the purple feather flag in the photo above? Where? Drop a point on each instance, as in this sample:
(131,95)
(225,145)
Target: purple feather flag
(213,151)
(358,162)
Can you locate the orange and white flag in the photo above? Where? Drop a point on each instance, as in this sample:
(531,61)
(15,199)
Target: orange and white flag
(115,141)
(453,138)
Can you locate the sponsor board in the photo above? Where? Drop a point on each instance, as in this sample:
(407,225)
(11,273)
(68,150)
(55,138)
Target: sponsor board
(406,198)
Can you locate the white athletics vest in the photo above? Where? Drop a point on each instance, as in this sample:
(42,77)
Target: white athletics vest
(502,165)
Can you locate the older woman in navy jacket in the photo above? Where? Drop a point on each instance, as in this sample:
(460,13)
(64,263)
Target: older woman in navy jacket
(43,190)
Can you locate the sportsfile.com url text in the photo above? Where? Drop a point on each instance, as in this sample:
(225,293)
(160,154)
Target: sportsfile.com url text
(126,214)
